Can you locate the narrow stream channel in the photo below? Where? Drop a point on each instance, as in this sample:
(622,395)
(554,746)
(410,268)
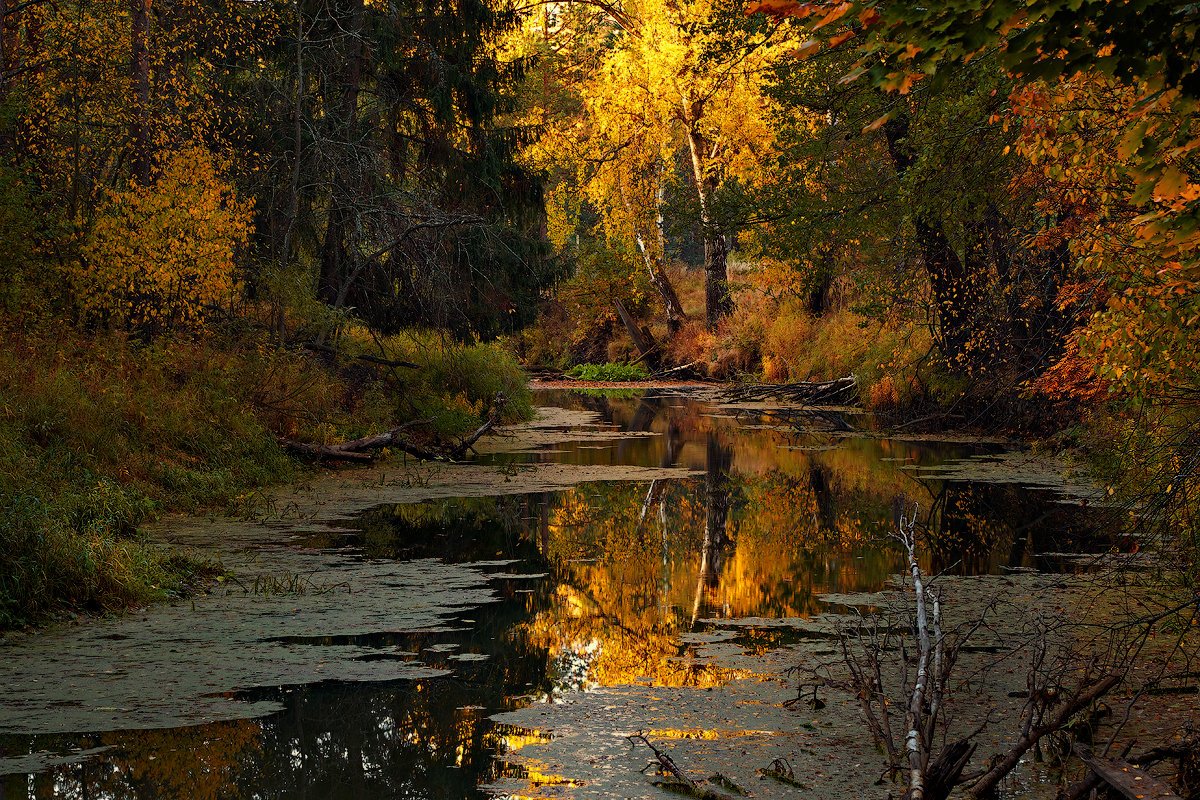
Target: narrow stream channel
(600,585)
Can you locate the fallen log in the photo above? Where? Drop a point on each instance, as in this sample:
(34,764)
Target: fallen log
(1129,781)
(364,449)
(682,371)
(322,451)
(842,391)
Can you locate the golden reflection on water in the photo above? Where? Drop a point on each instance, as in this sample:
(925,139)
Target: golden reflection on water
(776,520)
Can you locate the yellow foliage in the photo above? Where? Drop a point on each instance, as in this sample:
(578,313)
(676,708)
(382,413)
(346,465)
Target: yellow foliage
(619,98)
(162,255)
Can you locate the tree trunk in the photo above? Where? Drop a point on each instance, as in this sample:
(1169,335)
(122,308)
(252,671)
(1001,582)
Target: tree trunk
(954,291)
(335,250)
(139,74)
(953,283)
(285,251)
(645,345)
(653,261)
(717,301)
(676,316)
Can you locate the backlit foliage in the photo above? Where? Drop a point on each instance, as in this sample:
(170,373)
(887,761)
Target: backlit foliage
(1132,235)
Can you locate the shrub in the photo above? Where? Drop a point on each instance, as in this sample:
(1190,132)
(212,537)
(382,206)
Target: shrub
(158,256)
(102,434)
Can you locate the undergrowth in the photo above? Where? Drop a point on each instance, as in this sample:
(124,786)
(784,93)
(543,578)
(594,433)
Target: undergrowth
(101,433)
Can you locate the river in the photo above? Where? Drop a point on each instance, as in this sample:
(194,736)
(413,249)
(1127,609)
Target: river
(621,567)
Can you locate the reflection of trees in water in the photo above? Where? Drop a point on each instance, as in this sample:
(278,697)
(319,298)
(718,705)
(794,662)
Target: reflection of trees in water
(631,567)
(716,518)
(819,480)
(976,528)
(427,738)
(201,763)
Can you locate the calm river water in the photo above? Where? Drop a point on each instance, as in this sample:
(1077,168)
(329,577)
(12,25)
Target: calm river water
(608,577)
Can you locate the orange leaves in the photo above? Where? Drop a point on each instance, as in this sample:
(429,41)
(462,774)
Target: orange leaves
(833,15)
(821,15)
(782,8)
(1128,207)
(901,82)
(845,36)
(1174,185)
(160,255)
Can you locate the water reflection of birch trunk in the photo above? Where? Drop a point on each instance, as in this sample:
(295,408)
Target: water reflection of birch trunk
(716,517)
(655,493)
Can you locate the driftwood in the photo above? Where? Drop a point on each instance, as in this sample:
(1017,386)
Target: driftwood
(366,448)
(843,391)
(1129,781)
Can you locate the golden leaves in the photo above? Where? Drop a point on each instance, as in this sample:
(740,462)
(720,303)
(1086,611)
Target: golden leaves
(161,255)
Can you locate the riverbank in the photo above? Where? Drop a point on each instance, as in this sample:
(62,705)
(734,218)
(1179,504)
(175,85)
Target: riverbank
(103,433)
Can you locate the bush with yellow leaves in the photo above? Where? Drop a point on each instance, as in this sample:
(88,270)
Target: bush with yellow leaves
(160,256)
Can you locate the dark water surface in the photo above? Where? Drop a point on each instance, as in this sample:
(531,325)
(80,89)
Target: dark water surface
(606,578)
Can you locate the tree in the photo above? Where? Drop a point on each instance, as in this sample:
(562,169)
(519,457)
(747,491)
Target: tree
(161,256)
(1123,186)
(658,82)
(399,187)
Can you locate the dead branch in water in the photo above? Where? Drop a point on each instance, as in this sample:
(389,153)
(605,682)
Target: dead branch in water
(366,449)
(842,391)
(1049,707)
(493,417)
(679,780)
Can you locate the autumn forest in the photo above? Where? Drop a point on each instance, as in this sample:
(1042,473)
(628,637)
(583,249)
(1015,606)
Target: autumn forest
(246,247)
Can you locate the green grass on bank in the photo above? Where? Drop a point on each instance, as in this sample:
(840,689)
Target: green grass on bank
(99,434)
(617,373)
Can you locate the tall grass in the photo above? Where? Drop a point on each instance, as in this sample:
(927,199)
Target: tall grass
(99,434)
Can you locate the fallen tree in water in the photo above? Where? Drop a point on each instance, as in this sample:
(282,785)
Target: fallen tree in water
(842,391)
(368,448)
